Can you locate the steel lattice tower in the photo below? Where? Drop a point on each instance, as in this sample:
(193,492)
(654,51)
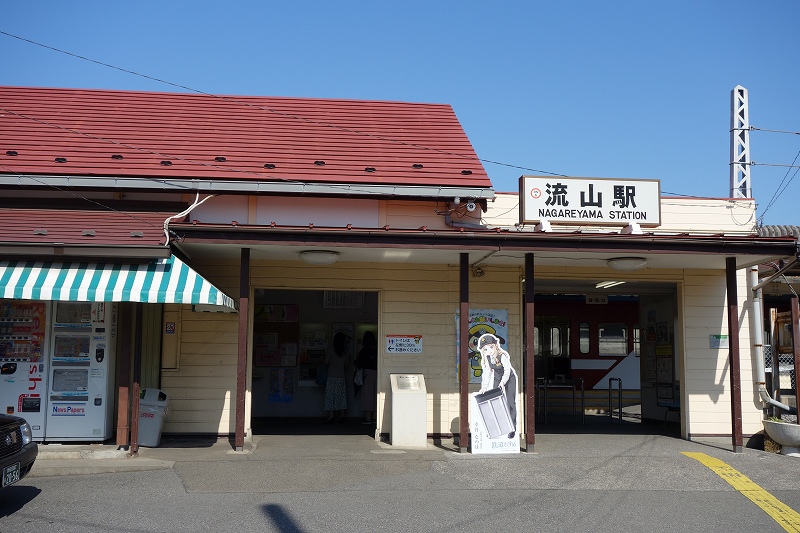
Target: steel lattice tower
(740,144)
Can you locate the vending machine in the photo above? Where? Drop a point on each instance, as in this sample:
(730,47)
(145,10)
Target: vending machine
(80,388)
(23,361)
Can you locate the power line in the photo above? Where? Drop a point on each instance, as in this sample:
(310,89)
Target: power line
(300,118)
(753,128)
(109,208)
(270,110)
(753,163)
(779,191)
(168,156)
(781,187)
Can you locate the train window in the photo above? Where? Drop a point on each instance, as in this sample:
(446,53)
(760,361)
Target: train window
(613,339)
(555,342)
(637,339)
(583,330)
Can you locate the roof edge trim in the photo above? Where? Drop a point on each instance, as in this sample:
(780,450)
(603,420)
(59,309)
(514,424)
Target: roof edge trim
(245,187)
(81,250)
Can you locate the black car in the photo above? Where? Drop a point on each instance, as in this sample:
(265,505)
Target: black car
(17,449)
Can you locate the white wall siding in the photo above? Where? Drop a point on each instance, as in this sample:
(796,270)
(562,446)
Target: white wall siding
(707,380)
(422,299)
(201,391)
(414,299)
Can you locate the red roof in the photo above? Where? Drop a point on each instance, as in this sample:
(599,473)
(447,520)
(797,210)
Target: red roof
(90,129)
(82,227)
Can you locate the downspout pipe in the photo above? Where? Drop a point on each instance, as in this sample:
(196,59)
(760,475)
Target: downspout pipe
(757,329)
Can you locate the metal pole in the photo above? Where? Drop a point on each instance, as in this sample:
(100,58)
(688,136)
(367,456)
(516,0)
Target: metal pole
(619,399)
(796,351)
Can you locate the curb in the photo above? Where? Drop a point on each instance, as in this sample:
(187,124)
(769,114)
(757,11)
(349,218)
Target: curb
(79,466)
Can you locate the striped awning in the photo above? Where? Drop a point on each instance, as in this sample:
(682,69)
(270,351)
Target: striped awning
(160,281)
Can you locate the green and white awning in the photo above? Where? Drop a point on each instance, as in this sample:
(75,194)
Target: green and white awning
(160,281)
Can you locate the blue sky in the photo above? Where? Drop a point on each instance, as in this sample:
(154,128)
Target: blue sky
(625,89)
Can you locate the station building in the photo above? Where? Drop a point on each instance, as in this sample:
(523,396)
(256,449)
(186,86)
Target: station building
(212,246)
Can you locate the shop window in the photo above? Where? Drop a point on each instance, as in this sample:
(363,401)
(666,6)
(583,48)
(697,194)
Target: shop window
(583,331)
(613,339)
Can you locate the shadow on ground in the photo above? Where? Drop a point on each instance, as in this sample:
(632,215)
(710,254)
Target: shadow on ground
(311,426)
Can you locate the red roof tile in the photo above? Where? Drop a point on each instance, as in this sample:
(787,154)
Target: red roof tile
(88,127)
(82,227)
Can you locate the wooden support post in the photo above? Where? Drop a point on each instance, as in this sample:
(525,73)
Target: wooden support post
(241,361)
(530,370)
(463,352)
(733,355)
(137,378)
(125,329)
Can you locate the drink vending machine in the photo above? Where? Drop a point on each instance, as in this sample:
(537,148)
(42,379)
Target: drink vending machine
(80,389)
(22,361)
(57,361)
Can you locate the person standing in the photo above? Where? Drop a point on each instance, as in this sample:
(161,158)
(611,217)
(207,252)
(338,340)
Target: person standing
(368,363)
(497,372)
(335,387)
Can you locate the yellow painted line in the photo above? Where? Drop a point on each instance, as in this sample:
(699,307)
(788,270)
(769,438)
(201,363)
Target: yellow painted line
(785,516)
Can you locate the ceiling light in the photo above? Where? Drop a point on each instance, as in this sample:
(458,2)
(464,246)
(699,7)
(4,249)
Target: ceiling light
(319,257)
(608,284)
(627,263)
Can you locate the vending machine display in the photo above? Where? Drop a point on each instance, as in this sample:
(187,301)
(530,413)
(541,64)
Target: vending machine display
(81,378)
(22,361)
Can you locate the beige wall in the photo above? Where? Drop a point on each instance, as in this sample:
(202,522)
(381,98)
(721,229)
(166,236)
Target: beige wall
(734,216)
(414,299)
(706,381)
(422,300)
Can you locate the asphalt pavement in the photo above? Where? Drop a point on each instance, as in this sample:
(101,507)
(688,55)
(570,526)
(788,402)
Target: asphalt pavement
(633,477)
(300,458)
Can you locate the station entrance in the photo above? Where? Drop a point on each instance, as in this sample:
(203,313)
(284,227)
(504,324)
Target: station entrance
(293,330)
(606,360)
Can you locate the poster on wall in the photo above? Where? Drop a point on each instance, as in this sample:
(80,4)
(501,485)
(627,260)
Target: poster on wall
(494,321)
(403,343)
(266,349)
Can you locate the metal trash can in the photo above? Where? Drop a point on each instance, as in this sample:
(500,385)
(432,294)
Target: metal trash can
(152,410)
(493,408)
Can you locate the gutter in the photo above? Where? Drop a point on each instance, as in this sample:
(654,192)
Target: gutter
(757,349)
(219,186)
(83,252)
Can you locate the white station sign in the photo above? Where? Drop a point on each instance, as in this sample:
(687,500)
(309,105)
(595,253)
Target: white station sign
(590,201)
